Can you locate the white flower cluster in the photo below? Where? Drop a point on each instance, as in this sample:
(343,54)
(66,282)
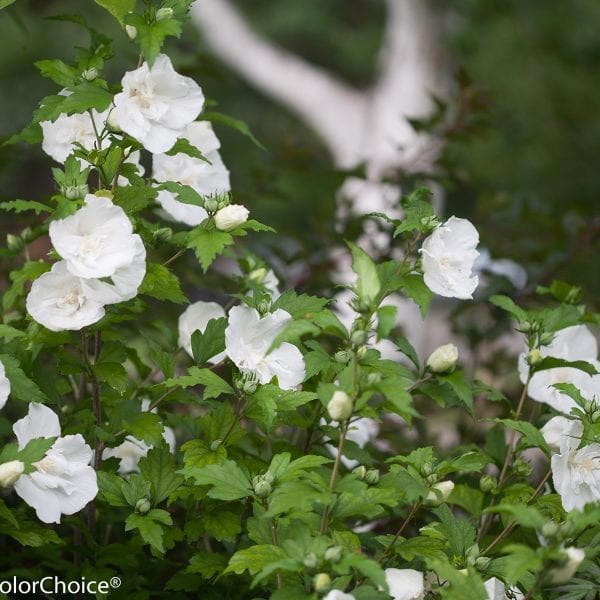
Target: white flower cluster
(248,338)
(104,262)
(63,481)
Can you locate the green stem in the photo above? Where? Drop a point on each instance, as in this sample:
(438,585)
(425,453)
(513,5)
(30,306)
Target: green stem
(400,531)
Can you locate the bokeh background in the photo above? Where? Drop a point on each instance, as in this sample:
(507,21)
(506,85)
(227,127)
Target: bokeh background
(522,164)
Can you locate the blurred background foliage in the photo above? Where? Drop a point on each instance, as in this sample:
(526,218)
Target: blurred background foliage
(522,165)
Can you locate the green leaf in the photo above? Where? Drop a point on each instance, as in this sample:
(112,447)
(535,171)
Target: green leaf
(158,467)
(5,3)
(550,362)
(458,382)
(460,534)
(20,206)
(207,564)
(33,452)
(365,566)
(84,96)
(526,516)
(299,306)
(228,481)
(532,437)
(400,400)
(417,212)
(150,527)
(110,487)
(207,245)
(9,333)
(151,36)
(214,385)
(414,287)
(162,284)
(211,342)
(146,426)
(254,559)
(468,498)
(216,117)
(20,277)
(113,374)
(367,285)
(223,525)
(183,146)
(386,320)
(505,303)
(117,8)
(197,453)
(183,193)
(58,71)
(21,387)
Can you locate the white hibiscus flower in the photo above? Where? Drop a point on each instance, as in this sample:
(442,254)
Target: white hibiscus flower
(405,584)
(63,302)
(496,590)
(576,472)
(157,104)
(337,595)
(196,317)
(448,256)
(4,386)
(132,449)
(571,344)
(248,338)
(63,482)
(204,178)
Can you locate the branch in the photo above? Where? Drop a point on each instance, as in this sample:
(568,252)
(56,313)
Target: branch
(331,108)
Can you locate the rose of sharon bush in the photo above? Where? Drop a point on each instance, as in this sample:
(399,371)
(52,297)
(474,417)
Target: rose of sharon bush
(63,482)
(449,254)
(248,338)
(157,104)
(206,178)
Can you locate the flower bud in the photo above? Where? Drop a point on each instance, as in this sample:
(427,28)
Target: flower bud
(443,359)
(111,121)
(360,471)
(572,559)
(431,479)
(142,506)
(262,488)
(211,205)
(427,469)
(361,352)
(595,416)
(439,493)
(546,338)
(249,386)
(589,406)
(215,445)
(10,472)
(340,406)
(333,554)
(342,356)
(550,529)
(482,563)
(263,306)
(14,242)
(311,560)
(372,476)
(525,326)
(359,337)
(321,582)
(164,13)
(90,74)
(223,200)
(269,477)
(534,357)
(373,378)
(488,483)
(163,234)
(258,275)
(520,467)
(131,31)
(231,216)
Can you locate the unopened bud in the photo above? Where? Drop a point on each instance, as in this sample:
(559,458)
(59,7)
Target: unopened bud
(73,192)
(488,483)
(162,14)
(211,205)
(427,469)
(14,242)
(572,559)
(361,352)
(342,356)
(250,386)
(595,416)
(90,74)
(321,582)
(550,529)
(262,488)
(443,359)
(525,326)
(215,445)
(258,275)
(340,406)
(231,216)
(373,378)
(163,234)
(10,472)
(263,306)
(142,506)
(269,477)
(534,357)
(520,467)
(111,121)
(546,338)
(311,560)
(359,337)
(482,563)
(439,493)
(431,479)
(372,476)
(223,201)
(360,471)
(131,31)
(333,554)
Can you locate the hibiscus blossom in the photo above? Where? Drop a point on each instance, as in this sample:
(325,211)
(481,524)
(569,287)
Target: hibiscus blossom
(448,257)
(4,386)
(157,104)
(570,344)
(248,338)
(405,584)
(63,482)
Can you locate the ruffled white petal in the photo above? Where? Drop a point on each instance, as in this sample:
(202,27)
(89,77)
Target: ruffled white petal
(40,422)
(4,386)
(405,584)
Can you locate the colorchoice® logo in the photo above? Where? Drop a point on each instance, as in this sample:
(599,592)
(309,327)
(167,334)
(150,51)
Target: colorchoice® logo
(55,585)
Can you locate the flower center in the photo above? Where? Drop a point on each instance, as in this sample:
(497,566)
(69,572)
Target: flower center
(46,465)
(90,244)
(73,299)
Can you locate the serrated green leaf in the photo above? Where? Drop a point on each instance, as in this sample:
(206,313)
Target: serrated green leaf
(460,534)
(399,399)
(365,566)
(532,437)
(197,453)
(386,320)
(183,146)
(20,277)
(223,525)
(505,303)
(299,305)
(146,426)
(207,564)
(58,71)
(21,387)
(162,284)
(207,245)
(20,206)
(110,487)
(367,285)
(458,382)
(117,8)
(149,527)
(210,343)
(183,193)
(113,374)
(417,212)
(216,117)
(254,559)
(228,481)
(9,333)
(214,385)
(158,467)
(551,362)
(414,287)
(151,36)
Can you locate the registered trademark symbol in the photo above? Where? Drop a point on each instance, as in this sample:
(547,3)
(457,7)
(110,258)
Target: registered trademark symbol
(115,582)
